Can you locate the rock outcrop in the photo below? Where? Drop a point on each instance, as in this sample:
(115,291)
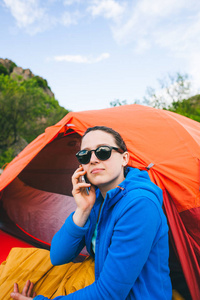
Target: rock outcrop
(25,73)
(14,71)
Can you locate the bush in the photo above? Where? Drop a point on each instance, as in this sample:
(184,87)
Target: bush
(188,107)
(6,156)
(3,70)
(12,66)
(41,82)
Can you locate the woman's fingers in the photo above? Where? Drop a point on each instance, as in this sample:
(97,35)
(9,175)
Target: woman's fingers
(79,172)
(78,184)
(15,294)
(25,290)
(30,289)
(34,294)
(15,290)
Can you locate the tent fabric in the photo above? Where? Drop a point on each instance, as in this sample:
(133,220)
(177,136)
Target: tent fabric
(184,246)
(36,216)
(8,243)
(168,141)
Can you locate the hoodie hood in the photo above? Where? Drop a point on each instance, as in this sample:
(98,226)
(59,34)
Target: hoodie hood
(135,179)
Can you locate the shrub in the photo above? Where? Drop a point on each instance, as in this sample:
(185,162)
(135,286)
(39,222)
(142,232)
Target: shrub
(3,70)
(12,66)
(41,82)
(6,156)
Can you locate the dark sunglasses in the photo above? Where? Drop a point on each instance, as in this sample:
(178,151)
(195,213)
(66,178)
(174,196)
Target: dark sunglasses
(102,153)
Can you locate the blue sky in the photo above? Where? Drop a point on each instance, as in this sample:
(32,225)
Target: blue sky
(93,52)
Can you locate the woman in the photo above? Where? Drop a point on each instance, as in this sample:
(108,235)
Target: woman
(120,221)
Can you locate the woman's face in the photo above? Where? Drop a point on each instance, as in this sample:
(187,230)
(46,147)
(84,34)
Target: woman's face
(105,174)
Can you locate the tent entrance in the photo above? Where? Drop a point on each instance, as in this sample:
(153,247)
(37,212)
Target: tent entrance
(39,200)
(52,168)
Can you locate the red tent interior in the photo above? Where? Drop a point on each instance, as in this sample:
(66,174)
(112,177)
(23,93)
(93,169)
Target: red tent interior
(9,242)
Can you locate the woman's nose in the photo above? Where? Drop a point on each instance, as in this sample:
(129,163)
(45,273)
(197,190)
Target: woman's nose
(93,158)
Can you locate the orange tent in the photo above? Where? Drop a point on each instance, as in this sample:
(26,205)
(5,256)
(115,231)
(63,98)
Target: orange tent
(164,143)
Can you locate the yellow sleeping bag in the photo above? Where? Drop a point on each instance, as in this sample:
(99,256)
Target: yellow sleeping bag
(50,281)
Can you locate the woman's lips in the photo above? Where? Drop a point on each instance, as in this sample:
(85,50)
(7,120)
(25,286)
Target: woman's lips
(96,170)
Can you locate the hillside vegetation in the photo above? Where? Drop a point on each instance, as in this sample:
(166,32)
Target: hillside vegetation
(27,107)
(188,107)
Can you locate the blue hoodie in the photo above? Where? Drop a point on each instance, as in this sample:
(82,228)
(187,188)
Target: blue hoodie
(131,254)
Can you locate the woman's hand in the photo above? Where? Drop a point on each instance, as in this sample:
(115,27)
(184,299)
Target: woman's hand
(84,201)
(26,293)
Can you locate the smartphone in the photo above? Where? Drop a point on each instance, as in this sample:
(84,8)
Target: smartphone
(82,179)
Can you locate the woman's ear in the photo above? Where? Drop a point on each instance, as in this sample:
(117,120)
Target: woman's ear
(125,158)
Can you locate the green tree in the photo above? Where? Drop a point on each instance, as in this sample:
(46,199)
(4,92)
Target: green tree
(172,88)
(188,107)
(173,95)
(25,110)
(12,65)
(118,102)
(41,82)
(6,156)
(3,70)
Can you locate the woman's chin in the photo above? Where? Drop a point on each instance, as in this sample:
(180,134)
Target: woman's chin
(99,182)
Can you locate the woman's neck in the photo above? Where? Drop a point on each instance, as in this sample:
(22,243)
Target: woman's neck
(105,188)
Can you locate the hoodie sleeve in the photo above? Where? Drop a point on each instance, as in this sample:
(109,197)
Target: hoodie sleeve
(68,242)
(132,240)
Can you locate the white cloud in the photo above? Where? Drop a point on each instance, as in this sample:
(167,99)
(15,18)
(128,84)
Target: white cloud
(194,67)
(33,17)
(69,18)
(146,18)
(25,12)
(142,46)
(109,9)
(157,8)
(30,15)
(169,25)
(182,37)
(81,58)
(71,2)
(183,41)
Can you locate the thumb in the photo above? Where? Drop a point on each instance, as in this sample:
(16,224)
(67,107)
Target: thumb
(15,296)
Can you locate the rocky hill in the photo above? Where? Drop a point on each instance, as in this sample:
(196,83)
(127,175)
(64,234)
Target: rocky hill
(8,67)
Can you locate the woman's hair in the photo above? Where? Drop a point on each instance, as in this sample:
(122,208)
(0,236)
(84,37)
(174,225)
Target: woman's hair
(118,139)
